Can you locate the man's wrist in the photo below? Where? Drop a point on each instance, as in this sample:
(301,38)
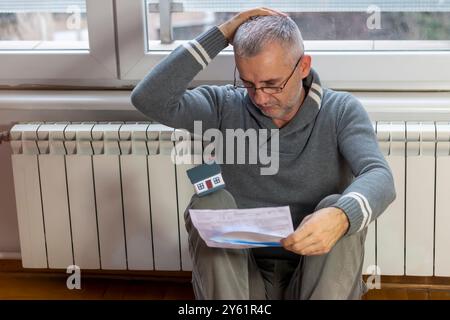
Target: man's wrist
(225,31)
(212,41)
(345,222)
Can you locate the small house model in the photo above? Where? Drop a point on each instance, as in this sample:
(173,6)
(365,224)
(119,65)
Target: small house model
(206,178)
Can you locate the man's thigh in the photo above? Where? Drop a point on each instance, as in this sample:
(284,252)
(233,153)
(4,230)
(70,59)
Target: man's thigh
(217,273)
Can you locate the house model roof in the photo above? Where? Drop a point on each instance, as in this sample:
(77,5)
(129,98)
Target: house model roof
(203,171)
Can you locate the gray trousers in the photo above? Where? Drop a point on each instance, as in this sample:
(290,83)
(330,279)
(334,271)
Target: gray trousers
(236,274)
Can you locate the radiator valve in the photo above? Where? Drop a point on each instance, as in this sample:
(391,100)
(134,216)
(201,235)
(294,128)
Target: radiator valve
(4,136)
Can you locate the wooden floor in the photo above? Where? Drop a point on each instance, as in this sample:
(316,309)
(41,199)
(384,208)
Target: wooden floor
(17,283)
(54,287)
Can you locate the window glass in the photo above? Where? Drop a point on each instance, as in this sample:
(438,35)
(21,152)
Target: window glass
(421,25)
(45,25)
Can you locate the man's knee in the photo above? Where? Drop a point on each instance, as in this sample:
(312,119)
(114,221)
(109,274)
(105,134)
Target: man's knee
(328,201)
(220,199)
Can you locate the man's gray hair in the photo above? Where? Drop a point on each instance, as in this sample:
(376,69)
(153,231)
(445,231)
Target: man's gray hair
(254,34)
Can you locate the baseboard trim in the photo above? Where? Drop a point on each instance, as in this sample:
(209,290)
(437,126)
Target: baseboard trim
(15,266)
(387,282)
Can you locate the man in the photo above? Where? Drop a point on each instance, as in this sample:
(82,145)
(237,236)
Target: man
(331,172)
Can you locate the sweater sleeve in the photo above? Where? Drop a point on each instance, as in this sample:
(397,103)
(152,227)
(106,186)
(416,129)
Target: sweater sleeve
(163,95)
(372,190)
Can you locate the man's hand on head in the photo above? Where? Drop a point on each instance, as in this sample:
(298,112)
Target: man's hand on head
(229,27)
(318,232)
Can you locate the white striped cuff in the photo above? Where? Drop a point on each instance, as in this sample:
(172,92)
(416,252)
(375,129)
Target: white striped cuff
(358,210)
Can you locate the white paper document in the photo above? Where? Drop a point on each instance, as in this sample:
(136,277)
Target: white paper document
(243,228)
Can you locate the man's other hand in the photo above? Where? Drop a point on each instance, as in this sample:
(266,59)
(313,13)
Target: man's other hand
(229,27)
(318,232)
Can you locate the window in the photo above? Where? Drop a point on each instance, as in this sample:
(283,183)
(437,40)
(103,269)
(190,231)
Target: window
(45,25)
(200,186)
(373,45)
(216,180)
(57,42)
(365,25)
(349,47)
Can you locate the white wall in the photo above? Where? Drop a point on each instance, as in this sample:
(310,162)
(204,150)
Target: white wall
(9,234)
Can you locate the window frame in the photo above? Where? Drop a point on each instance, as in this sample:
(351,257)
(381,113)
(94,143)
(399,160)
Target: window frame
(118,58)
(343,70)
(50,67)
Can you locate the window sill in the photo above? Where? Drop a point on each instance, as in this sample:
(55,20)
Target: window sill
(61,105)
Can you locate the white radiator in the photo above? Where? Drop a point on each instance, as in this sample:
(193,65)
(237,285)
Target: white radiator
(101,196)
(108,196)
(412,236)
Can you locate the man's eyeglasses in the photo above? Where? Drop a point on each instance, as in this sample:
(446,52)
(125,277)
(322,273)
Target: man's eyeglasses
(269,90)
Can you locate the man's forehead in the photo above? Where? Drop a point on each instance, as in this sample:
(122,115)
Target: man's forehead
(262,79)
(263,70)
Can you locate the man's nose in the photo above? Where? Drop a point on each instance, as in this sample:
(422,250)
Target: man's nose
(260,97)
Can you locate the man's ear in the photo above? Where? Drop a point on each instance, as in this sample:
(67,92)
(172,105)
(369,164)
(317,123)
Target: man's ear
(305,66)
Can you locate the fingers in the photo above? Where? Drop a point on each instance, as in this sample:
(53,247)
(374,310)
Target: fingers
(297,236)
(264,12)
(303,231)
(309,247)
(229,27)
(314,249)
(300,246)
(306,240)
(276,12)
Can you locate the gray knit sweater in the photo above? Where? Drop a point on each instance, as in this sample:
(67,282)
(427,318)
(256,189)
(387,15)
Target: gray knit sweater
(329,146)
